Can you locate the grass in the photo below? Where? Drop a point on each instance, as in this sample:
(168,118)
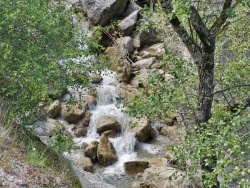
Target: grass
(16,142)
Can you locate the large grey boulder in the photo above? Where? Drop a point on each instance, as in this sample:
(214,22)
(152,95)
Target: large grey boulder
(132,7)
(105,151)
(105,123)
(127,24)
(102,11)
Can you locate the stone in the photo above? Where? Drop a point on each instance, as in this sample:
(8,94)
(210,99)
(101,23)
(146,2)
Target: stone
(140,79)
(79,132)
(102,11)
(54,109)
(91,150)
(134,167)
(68,134)
(128,93)
(127,24)
(105,123)
(125,45)
(142,129)
(143,64)
(156,177)
(95,78)
(110,133)
(156,50)
(85,163)
(105,152)
(73,113)
(84,145)
(173,132)
(90,99)
(44,128)
(158,162)
(132,7)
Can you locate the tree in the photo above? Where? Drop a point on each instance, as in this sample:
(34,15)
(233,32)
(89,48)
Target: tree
(216,144)
(203,52)
(38,44)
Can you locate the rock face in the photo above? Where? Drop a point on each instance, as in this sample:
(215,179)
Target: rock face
(105,123)
(91,150)
(132,7)
(134,167)
(127,24)
(105,152)
(125,44)
(85,163)
(54,109)
(74,113)
(102,11)
(142,130)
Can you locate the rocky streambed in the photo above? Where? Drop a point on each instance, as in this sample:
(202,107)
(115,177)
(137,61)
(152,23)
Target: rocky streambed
(114,149)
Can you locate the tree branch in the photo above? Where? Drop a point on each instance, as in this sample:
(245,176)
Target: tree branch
(201,29)
(228,88)
(214,30)
(188,41)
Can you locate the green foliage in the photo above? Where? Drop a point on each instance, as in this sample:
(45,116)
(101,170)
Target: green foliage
(39,46)
(35,158)
(223,147)
(62,143)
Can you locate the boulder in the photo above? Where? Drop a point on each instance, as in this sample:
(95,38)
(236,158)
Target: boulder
(158,162)
(156,50)
(132,7)
(84,145)
(44,128)
(173,132)
(91,150)
(127,24)
(134,167)
(102,11)
(140,79)
(143,64)
(77,7)
(156,177)
(95,78)
(85,163)
(68,134)
(54,109)
(80,131)
(142,129)
(110,133)
(105,123)
(90,99)
(128,93)
(125,45)
(73,113)
(105,151)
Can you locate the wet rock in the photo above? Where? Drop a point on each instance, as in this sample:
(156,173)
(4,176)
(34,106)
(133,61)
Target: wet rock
(156,50)
(73,113)
(105,152)
(142,129)
(105,123)
(68,134)
(102,11)
(81,131)
(90,99)
(128,93)
(134,167)
(95,78)
(127,24)
(143,64)
(54,109)
(72,127)
(85,163)
(91,150)
(110,133)
(84,145)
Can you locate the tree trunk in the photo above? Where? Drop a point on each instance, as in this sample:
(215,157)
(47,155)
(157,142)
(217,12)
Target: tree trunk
(206,87)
